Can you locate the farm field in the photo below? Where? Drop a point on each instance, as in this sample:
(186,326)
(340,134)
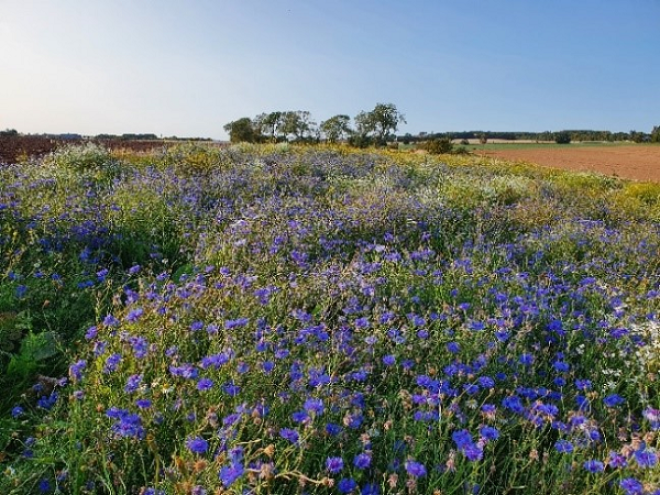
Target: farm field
(638,162)
(287,320)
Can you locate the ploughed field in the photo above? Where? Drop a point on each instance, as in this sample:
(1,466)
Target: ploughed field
(639,162)
(277,320)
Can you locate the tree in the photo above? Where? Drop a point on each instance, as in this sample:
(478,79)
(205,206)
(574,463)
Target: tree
(336,128)
(242,130)
(655,134)
(562,137)
(298,123)
(384,119)
(483,138)
(270,124)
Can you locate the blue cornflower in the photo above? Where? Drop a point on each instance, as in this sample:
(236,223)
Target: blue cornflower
(334,464)
(415,469)
(290,434)
(111,363)
(44,486)
(229,474)
(197,445)
(613,400)
(473,452)
(240,322)
(646,458)
(91,333)
(370,489)
(314,405)
(134,269)
(362,461)
(389,360)
(462,438)
(133,383)
(111,321)
(454,347)
(563,446)
(143,403)
(17,411)
(631,486)
(594,466)
(204,384)
(134,315)
(346,485)
(616,460)
(489,433)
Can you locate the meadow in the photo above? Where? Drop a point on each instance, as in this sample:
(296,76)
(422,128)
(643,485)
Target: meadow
(281,319)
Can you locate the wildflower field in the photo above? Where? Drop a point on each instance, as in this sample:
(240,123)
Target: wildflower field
(283,320)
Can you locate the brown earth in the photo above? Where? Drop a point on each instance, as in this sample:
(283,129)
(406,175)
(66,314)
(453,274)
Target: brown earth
(12,148)
(641,162)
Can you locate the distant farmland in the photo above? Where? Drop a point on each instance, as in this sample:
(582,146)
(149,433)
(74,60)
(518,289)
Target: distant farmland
(639,162)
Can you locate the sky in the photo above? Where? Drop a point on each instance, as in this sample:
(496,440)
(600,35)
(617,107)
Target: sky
(188,67)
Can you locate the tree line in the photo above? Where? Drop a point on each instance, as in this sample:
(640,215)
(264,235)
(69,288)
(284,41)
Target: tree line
(366,128)
(564,136)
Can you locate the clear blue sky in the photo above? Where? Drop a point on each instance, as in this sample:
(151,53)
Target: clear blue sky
(187,68)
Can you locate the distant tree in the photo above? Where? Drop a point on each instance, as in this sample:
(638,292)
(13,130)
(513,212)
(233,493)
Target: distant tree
(439,146)
(562,137)
(655,134)
(336,128)
(638,137)
(483,138)
(407,138)
(242,130)
(270,124)
(9,132)
(385,119)
(298,124)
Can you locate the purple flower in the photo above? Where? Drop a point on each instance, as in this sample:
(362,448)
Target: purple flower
(389,360)
(134,315)
(489,433)
(143,403)
(134,270)
(111,363)
(594,466)
(415,469)
(370,489)
(314,405)
(631,486)
(646,458)
(204,384)
(334,464)
(133,383)
(197,445)
(289,434)
(44,486)
(362,461)
(229,474)
(240,322)
(92,332)
(346,485)
(563,446)
(613,400)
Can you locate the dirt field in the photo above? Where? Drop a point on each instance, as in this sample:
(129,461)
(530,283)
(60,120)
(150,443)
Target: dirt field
(632,162)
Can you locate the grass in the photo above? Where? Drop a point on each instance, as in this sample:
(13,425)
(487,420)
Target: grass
(285,319)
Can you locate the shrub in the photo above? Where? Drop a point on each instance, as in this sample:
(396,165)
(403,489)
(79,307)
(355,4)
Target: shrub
(439,146)
(562,137)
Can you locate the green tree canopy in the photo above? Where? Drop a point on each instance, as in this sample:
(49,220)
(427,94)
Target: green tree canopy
(242,130)
(336,128)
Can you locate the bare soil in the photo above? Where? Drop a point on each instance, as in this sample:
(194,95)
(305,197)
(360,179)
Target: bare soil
(641,162)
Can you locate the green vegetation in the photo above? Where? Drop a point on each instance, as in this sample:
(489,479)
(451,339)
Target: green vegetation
(276,319)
